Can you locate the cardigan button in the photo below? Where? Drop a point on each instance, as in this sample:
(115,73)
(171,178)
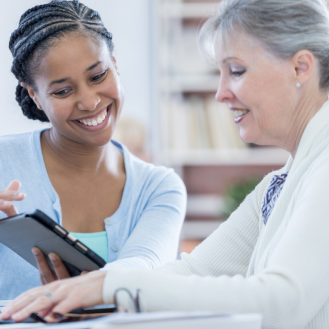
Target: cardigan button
(115,248)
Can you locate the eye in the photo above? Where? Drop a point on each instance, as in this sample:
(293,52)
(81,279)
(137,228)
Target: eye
(238,73)
(63,92)
(98,77)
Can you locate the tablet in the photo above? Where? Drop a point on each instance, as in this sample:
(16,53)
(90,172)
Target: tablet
(22,232)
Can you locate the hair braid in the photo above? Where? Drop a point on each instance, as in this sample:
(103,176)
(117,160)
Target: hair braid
(28,28)
(26,103)
(38,28)
(34,9)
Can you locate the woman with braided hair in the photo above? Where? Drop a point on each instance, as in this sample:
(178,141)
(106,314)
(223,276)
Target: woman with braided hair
(126,210)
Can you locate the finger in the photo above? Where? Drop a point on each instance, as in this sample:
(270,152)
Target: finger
(39,304)
(20,302)
(8,208)
(59,268)
(44,312)
(5,205)
(11,195)
(15,185)
(71,302)
(84,272)
(83,291)
(46,273)
(26,298)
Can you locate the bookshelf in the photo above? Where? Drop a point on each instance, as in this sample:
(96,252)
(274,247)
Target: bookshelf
(247,156)
(186,10)
(191,131)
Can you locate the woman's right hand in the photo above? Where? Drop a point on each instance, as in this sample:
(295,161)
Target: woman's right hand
(11,193)
(59,296)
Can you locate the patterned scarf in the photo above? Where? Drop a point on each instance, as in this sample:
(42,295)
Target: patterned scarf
(272,195)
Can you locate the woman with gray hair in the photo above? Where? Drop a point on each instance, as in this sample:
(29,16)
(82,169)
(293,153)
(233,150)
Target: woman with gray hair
(272,255)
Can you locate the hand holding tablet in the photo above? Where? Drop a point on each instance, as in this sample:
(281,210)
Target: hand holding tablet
(23,232)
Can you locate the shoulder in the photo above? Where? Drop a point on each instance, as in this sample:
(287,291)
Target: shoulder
(318,155)
(18,154)
(11,144)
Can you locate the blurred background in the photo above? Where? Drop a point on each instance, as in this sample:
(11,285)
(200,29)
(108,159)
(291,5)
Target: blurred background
(170,116)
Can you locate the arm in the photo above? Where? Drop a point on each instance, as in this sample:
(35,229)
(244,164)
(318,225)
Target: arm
(289,292)
(82,290)
(231,244)
(154,240)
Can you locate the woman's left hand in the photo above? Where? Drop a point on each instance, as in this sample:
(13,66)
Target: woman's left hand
(58,297)
(47,275)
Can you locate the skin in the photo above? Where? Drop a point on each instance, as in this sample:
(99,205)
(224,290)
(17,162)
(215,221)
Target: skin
(250,78)
(74,157)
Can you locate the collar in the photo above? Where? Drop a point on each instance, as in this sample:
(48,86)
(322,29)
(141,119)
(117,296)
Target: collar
(311,132)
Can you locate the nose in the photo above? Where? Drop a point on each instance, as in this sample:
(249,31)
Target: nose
(224,93)
(88,100)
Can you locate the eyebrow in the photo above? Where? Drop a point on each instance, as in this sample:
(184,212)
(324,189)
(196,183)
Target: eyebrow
(93,66)
(228,58)
(66,79)
(58,81)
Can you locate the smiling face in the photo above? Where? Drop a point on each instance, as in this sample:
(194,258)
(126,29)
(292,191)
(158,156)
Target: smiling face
(78,87)
(259,88)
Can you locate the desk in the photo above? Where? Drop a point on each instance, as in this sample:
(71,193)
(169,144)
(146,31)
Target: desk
(181,320)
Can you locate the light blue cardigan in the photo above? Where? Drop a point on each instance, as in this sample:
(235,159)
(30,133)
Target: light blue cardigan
(143,232)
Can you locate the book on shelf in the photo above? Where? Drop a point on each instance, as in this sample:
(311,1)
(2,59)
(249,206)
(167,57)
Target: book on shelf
(177,129)
(183,55)
(196,123)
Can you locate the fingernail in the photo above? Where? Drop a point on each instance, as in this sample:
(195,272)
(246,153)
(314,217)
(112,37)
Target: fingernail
(35,251)
(5,203)
(52,256)
(20,195)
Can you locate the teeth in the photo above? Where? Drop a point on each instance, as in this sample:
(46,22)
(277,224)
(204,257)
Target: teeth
(94,122)
(239,113)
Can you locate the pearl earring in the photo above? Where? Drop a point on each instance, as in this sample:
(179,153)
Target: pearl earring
(298,84)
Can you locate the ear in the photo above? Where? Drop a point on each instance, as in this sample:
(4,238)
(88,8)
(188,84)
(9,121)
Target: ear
(304,63)
(115,64)
(32,94)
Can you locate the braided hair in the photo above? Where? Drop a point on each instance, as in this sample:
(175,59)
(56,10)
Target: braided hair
(38,28)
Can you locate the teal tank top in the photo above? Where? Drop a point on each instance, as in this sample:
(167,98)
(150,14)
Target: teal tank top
(97,242)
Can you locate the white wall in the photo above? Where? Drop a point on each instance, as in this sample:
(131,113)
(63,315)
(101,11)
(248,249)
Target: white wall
(130,23)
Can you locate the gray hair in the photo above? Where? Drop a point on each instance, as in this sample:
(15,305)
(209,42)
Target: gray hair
(284,27)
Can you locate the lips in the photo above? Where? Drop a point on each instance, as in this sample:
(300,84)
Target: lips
(95,117)
(95,122)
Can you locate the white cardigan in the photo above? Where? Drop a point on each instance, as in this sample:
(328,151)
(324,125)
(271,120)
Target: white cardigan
(280,270)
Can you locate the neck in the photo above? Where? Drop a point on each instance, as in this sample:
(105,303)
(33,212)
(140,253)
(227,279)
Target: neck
(76,156)
(303,113)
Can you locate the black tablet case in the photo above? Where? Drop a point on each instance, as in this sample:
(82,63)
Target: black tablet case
(22,232)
